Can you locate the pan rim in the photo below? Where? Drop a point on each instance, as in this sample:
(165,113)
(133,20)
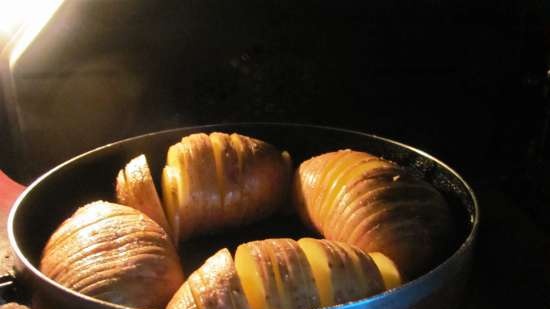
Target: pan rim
(430,275)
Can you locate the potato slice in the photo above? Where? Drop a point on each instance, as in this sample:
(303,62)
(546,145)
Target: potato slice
(342,272)
(172,190)
(388,270)
(289,282)
(308,286)
(343,278)
(347,178)
(229,177)
(323,184)
(254,269)
(135,188)
(350,284)
(301,287)
(279,267)
(355,197)
(243,156)
(370,272)
(250,274)
(287,272)
(357,267)
(318,258)
(204,192)
(350,161)
(176,195)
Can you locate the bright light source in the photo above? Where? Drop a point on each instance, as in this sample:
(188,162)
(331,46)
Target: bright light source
(12,13)
(28,15)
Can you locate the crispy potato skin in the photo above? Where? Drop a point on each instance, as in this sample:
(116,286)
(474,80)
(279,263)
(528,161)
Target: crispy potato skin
(114,253)
(372,203)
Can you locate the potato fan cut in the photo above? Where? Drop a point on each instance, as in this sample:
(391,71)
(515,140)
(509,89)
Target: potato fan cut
(114,253)
(284,274)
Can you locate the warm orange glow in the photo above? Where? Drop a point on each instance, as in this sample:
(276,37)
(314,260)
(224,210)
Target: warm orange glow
(28,15)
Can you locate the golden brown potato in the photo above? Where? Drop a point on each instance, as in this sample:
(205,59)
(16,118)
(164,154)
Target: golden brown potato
(372,203)
(220,180)
(284,274)
(114,253)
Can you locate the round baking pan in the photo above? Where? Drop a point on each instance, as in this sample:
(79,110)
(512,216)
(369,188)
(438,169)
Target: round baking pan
(91,176)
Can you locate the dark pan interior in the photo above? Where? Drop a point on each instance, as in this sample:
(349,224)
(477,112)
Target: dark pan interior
(91,176)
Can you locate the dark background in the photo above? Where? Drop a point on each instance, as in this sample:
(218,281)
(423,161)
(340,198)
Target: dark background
(461,80)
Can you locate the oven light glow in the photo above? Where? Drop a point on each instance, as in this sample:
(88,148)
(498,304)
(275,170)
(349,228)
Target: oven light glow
(26,16)
(11,16)
(14,13)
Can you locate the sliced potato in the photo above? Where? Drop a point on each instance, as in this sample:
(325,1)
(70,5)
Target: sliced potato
(114,253)
(372,203)
(135,188)
(257,283)
(281,273)
(321,268)
(220,180)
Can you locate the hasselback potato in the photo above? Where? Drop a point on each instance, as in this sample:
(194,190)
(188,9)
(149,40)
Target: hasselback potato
(284,274)
(114,253)
(220,180)
(363,200)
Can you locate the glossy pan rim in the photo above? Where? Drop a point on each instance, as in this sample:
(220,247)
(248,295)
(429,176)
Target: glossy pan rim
(415,284)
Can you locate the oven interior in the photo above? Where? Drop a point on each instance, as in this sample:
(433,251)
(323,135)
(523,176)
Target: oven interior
(464,81)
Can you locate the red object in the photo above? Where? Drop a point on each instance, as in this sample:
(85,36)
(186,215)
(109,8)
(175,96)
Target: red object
(9,191)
